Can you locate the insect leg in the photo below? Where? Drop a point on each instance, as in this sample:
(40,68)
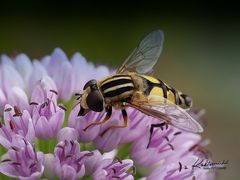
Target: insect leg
(125,119)
(152,128)
(106,118)
(82,111)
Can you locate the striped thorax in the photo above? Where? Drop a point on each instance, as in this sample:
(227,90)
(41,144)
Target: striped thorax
(117,88)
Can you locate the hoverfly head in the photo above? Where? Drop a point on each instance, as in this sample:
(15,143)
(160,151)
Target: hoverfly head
(94,99)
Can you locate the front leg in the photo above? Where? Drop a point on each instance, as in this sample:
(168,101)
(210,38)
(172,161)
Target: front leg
(125,119)
(106,118)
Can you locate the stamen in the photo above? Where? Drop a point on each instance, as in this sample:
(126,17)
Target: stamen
(193,147)
(33,103)
(166,138)
(62,107)
(35,153)
(17,111)
(25,141)
(114,170)
(8,109)
(6,160)
(60,146)
(194,178)
(161,127)
(180,166)
(89,154)
(34,149)
(15,148)
(171,146)
(53,91)
(131,170)
(65,142)
(116,177)
(16,163)
(47,102)
(85,155)
(12,124)
(69,156)
(73,147)
(41,107)
(32,165)
(177,133)
(118,159)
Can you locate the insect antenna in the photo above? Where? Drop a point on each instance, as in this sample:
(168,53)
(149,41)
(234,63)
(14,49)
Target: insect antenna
(78,95)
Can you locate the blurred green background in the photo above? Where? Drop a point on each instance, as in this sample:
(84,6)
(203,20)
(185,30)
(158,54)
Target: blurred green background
(201,55)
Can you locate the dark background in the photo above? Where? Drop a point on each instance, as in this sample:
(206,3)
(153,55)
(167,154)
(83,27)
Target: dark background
(201,55)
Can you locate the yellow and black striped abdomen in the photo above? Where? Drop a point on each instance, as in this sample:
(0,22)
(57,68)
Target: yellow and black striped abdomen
(153,86)
(117,87)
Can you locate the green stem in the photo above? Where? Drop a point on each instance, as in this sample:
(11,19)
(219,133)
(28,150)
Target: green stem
(124,151)
(46,146)
(2,150)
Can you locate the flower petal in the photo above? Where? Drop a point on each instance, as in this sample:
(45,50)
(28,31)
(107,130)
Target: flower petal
(30,136)
(80,67)
(48,84)
(56,121)
(108,142)
(7,81)
(24,67)
(8,170)
(37,74)
(65,80)
(100,72)
(17,97)
(7,60)
(49,164)
(80,122)
(3,101)
(93,162)
(43,129)
(68,172)
(4,142)
(42,90)
(67,133)
(45,61)
(57,57)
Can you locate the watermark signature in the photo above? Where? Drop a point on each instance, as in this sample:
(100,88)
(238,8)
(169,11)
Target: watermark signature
(208,164)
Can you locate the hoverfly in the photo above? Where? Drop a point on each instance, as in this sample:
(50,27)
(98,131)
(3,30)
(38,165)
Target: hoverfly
(134,86)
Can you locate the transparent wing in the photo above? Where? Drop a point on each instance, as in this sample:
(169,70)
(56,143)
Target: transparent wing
(171,113)
(145,55)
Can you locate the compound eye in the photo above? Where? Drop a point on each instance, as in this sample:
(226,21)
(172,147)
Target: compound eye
(90,83)
(95,101)
(187,100)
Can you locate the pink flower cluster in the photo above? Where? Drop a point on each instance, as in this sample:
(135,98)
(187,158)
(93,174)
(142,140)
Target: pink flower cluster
(30,92)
